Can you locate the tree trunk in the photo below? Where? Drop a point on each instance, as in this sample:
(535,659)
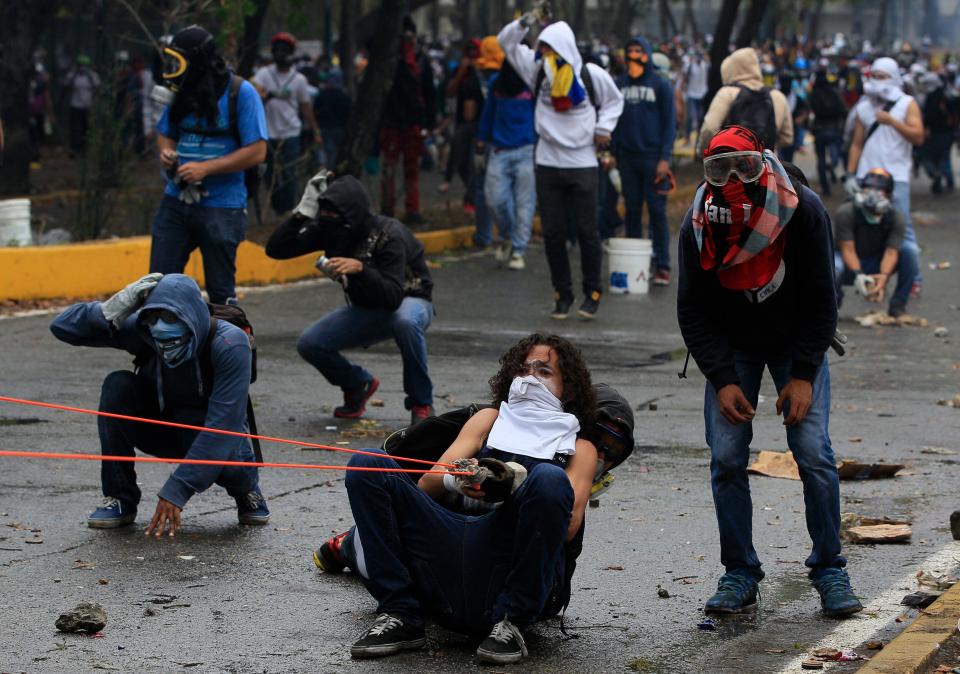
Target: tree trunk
(881,23)
(931,20)
(464,11)
(690,19)
(751,23)
(348,44)
(21,23)
(668,26)
(252,27)
(579,17)
(365,28)
(377,80)
(624,20)
(721,46)
(815,21)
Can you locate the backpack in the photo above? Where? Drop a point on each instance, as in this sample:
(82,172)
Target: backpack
(753,109)
(585,77)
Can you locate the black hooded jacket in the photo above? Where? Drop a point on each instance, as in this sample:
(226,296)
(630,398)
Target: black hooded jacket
(393,262)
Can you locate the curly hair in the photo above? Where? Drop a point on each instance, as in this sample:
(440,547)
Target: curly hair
(579,396)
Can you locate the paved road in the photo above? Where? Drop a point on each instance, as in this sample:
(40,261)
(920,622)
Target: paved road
(249,600)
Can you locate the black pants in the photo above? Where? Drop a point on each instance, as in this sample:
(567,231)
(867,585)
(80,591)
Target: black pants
(79,123)
(563,195)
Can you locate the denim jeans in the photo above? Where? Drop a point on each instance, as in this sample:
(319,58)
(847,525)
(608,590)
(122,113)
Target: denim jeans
(694,114)
(511,193)
(827,142)
(332,139)
(809,441)
(352,326)
(179,228)
(124,392)
(906,270)
(281,175)
(638,175)
(475,195)
(901,201)
(419,559)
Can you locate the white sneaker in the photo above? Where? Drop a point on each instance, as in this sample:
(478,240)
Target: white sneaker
(516,262)
(502,251)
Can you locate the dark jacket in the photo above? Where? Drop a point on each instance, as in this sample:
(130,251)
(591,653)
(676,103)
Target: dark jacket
(648,123)
(796,322)
(829,112)
(412,100)
(181,391)
(332,107)
(393,262)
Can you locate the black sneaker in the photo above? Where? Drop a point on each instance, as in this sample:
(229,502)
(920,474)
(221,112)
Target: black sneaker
(389,635)
(897,309)
(355,400)
(561,309)
(252,509)
(590,305)
(503,646)
(327,557)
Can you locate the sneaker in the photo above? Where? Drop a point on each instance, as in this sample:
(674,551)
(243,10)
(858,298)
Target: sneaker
(501,252)
(736,593)
(590,305)
(111,514)
(469,208)
(836,595)
(897,309)
(516,262)
(328,558)
(252,509)
(661,277)
(916,289)
(503,646)
(388,635)
(420,412)
(561,309)
(355,400)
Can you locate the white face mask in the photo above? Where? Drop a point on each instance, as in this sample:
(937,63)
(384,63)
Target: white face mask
(531,390)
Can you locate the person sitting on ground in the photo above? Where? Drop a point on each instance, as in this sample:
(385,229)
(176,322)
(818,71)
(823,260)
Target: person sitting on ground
(385,279)
(870,234)
(416,556)
(191,369)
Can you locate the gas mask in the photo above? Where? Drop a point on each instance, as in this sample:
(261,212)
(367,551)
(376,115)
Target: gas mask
(873,203)
(186,57)
(282,53)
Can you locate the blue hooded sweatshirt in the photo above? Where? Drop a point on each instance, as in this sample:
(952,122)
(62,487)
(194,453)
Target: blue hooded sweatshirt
(648,124)
(181,391)
(507,123)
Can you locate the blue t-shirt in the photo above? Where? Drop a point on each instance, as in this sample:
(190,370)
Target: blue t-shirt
(226,190)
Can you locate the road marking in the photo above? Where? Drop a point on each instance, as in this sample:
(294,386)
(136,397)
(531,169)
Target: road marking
(851,633)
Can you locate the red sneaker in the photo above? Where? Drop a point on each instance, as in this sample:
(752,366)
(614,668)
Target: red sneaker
(328,558)
(661,278)
(355,400)
(420,412)
(469,209)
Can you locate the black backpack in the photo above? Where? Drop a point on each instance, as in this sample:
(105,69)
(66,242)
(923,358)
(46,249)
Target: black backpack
(753,109)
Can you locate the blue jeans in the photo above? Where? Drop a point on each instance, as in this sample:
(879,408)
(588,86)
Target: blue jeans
(124,392)
(417,558)
(352,326)
(827,141)
(638,175)
(907,268)
(332,138)
(901,201)
(484,226)
(694,114)
(809,441)
(511,192)
(180,228)
(281,175)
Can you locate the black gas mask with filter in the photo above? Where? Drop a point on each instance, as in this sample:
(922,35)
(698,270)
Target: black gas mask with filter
(193,75)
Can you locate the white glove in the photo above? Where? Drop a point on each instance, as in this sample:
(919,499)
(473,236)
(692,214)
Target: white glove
(864,284)
(540,13)
(616,180)
(120,306)
(317,185)
(851,185)
(191,193)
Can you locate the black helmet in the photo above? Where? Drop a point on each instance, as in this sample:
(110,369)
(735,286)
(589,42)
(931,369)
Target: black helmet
(614,418)
(191,52)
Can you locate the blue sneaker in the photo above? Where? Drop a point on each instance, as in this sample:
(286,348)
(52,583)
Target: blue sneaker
(252,508)
(836,595)
(111,514)
(737,592)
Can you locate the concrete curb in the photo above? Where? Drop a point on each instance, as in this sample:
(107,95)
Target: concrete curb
(913,649)
(100,267)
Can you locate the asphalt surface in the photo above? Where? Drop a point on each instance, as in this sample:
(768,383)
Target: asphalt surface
(250,600)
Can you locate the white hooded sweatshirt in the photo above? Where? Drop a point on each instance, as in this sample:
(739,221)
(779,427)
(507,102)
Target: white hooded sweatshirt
(885,148)
(566,138)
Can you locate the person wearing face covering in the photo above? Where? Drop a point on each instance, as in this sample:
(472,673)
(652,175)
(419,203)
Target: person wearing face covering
(189,369)
(386,282)
(498,573)
(204,152)
(888,123)
(756,292)
(286,99)
(869,235)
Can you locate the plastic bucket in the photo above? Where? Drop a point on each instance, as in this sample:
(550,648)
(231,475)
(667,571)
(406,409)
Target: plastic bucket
(15,222)
(629,265)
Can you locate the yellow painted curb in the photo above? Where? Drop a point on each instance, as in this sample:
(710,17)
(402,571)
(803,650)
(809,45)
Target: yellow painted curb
(101,267)
(913,649)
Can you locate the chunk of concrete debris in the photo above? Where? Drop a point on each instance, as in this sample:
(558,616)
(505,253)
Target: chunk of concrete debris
(849,469)
(880,533)
(873,318)
(84,617)
(775,464)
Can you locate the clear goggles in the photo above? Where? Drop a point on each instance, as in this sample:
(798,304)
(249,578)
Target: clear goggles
(747,166)
(175,64)
(537,368)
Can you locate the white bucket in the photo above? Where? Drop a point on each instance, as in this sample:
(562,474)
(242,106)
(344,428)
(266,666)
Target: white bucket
(15,222)
(629,265)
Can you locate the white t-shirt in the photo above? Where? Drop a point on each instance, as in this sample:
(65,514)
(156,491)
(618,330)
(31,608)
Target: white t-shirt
(82,84)
(697,79)
(886,148)
(288,90)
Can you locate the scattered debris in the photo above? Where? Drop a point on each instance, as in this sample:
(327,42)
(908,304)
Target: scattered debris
(855,439)
(708,625)
(955,524)
(812,664)
(149,612)
(86,566)
(186,558)
(872,318)
(855,470)
(652,407)
(880,533)
(614,567)
(953,402)
(902,618)
(940,332)
(940,265)
(103,581)
(775,651)
(834,655)
(594,503)
(938,450)
(376,402)
(34,541)
(874,645)
(920,599)
(924,218)
(84,617)
(163,599)
(365,428)
(935,581)
(165,606)
(106,666)
(662,592)
(329,428)
(775,464)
